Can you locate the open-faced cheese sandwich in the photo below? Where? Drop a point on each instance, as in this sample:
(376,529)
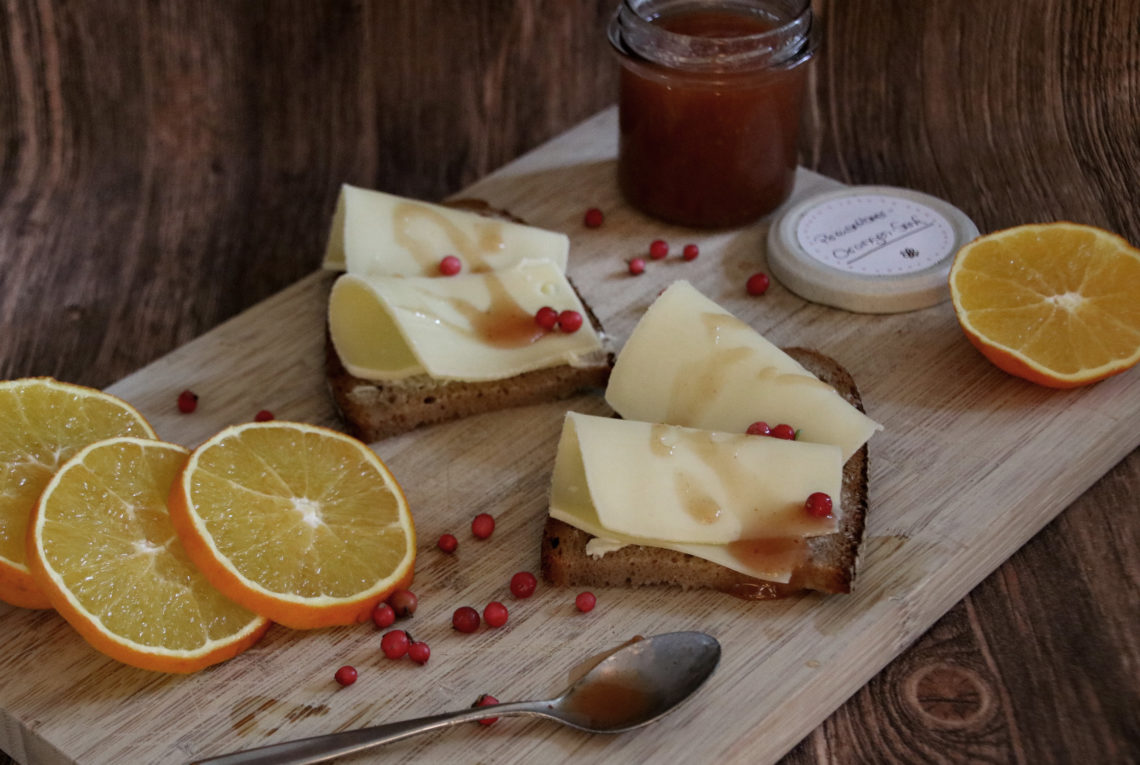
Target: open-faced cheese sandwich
(409,346)
(676,491)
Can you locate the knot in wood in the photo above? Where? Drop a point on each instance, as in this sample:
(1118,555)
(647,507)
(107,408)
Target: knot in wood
(950,696)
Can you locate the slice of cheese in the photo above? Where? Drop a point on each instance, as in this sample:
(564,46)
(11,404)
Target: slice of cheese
(380,234)
(690,362)
(732,499)
(475,327)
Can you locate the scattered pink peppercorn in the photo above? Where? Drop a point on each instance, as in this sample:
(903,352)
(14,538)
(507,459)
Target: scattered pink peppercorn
(187,401)
(263,416)
(450,265)
(637,266)
(486,700)
(523,584)
(690,252)
(419,652)
(495,614)
(658,249)
(818,505)
(759,429)
(546,317)
(448,543)
(383,616)
(569,321)
(757,284)
(786,432)
(465,619)
(594,218)
(585,601)
(346,675)
(394,644)
(403,602)
(483,525)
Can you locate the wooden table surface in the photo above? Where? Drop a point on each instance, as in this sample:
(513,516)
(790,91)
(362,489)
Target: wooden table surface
(167,165)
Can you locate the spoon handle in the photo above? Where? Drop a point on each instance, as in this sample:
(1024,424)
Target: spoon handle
(330,745)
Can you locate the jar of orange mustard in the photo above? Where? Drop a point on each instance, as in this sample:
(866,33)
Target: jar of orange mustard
(709,106)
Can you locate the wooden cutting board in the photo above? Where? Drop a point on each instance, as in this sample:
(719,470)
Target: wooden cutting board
(972,463)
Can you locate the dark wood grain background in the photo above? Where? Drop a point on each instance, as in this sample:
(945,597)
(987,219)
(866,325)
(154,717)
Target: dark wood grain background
(166,165)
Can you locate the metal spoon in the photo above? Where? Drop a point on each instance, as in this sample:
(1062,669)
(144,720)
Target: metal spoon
(633,686)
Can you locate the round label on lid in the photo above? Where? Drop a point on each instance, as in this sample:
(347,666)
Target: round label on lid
(875,234)
(871,249)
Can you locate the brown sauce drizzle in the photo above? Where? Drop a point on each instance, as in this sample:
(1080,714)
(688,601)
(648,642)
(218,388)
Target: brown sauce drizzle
(503,324)
(688,402)
(698,503)
(473,251)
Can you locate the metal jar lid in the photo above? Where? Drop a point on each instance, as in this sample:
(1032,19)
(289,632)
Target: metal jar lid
(869,249)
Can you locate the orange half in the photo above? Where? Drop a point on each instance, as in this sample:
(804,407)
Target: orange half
(1055,303)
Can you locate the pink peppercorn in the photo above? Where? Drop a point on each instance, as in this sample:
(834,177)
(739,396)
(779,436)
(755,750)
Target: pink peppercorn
(757,284)
(346,675)
(585,601)
(450,265)
(483,525)
(495,614)
(569,321)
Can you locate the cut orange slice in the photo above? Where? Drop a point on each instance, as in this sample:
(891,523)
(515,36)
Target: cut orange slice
(1055,303)
(101,545)
(303,525)
(43,423)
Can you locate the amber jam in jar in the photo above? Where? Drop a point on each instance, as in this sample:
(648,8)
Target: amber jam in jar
(709,107)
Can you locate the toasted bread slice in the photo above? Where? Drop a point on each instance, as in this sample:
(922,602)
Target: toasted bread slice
(831,559)
(373,410)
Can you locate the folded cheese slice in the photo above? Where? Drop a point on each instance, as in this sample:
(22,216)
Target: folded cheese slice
(475,327)
(690,362)
(380,234)
(719,496)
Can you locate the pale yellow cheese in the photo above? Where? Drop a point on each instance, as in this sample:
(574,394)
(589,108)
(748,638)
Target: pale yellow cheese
(676,484)
(693,491)
(474,327)
(380,234)
(690,362)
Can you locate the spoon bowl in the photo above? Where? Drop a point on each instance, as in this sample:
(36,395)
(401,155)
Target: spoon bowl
(633,686)
(638,683)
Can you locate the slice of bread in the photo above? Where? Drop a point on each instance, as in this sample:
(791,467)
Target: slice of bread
(372,410)
(831,559)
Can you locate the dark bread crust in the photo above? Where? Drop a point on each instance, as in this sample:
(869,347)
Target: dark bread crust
(373,410)
(830,564)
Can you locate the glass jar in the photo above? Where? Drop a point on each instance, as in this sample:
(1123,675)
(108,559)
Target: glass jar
(709,106)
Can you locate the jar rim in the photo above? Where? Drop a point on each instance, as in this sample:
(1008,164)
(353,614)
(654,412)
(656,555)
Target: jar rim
(633,32)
